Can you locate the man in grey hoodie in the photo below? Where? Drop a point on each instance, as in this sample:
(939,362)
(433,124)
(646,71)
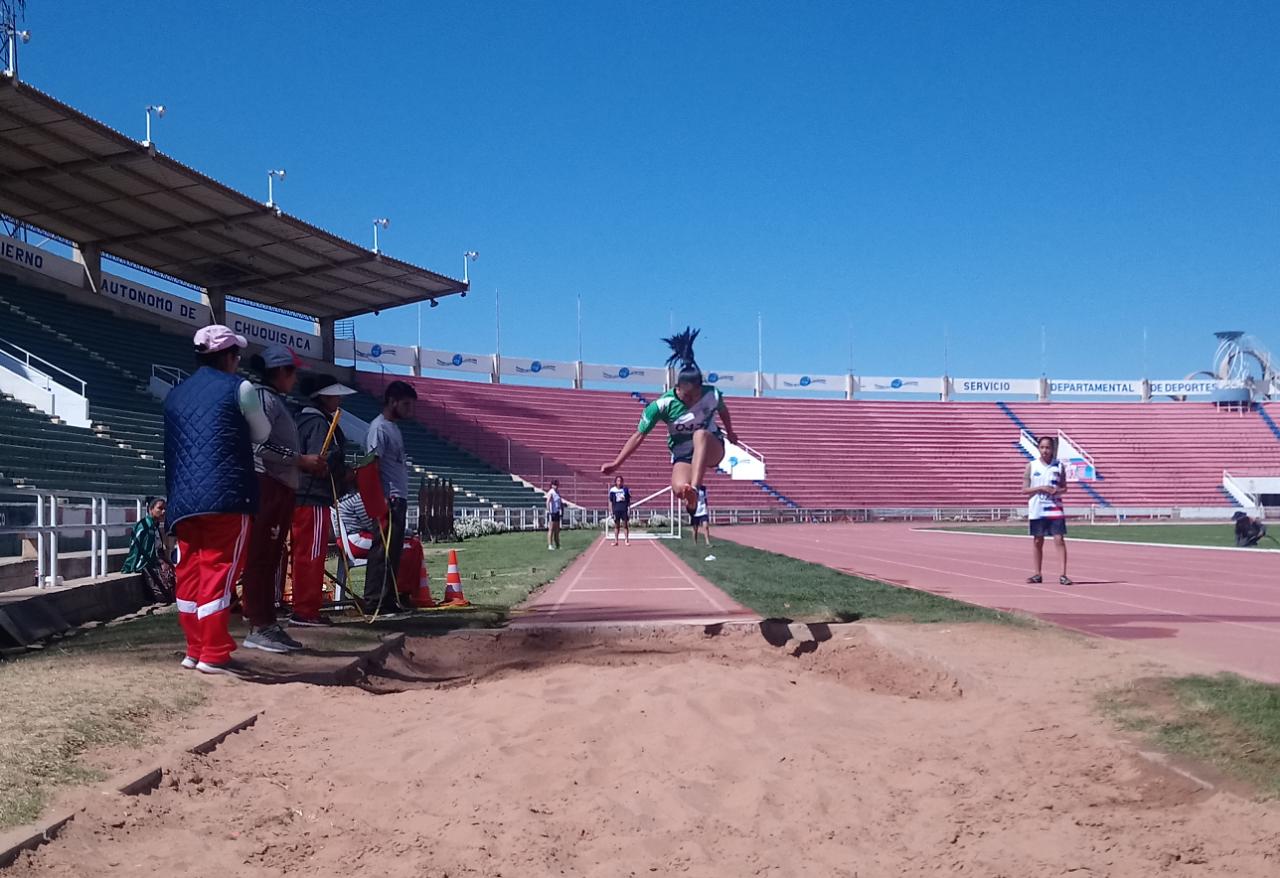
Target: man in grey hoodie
(309,540)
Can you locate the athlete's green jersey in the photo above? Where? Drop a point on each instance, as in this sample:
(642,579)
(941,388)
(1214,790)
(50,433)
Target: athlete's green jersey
(683,420)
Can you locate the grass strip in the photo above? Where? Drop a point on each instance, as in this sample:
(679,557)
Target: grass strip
(779,586)
(1228,721)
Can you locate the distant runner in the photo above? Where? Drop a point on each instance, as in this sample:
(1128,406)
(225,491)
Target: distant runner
(1044,483)
(701,518)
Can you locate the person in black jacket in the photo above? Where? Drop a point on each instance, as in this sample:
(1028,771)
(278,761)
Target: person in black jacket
(1248,530)
(310,533)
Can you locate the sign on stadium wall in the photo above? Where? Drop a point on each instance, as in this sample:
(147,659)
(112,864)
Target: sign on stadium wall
(144,298)
(261,334)
(1183,388)
(1014,386)
(1098,387)
(530,368)
(652,376)
(732,380)
(33,259)
(376,352)
(827,383)
(453,361)
(873,384)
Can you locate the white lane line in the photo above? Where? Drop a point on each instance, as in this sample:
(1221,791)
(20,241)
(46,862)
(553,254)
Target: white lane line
(711,600)
(583,569)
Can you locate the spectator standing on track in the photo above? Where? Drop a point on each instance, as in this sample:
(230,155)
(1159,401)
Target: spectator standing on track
(278,463)
(1248,530)
(555,511)
(620,507)
(211,422)
(149,555)
(1044,482)
(701,518)
(309,539)
(385,440)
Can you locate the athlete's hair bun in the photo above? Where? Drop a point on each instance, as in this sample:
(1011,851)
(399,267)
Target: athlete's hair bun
(681,345)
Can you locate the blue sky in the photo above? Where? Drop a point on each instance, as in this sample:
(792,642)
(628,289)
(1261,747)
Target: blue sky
(883,173)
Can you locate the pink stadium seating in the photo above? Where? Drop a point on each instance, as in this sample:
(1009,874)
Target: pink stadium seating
(878,454)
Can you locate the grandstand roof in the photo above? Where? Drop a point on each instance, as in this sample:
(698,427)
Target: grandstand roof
(71,175)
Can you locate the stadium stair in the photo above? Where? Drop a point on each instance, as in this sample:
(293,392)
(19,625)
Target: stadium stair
(1268,420)
(478,484)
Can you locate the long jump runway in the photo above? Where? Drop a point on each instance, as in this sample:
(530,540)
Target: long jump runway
(1220,608)
(638,584)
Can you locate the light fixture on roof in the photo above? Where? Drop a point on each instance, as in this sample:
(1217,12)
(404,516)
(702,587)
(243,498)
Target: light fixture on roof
(467,258)
(384,223)
(271,178)
(435,304)
(159,110)
(12,37)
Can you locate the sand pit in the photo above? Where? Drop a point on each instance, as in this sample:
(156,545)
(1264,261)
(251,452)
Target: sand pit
(881,751)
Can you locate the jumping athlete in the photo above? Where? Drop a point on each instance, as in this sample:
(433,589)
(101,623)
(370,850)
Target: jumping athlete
(689,411)
(1044,483)
(620,506)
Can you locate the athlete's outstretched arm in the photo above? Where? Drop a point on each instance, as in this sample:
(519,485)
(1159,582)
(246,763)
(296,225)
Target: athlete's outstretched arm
(627,450)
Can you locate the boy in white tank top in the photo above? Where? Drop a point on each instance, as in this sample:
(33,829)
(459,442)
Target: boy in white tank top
(1044,483)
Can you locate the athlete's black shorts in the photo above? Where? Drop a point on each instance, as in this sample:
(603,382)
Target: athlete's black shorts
(621,513)
(1048,527)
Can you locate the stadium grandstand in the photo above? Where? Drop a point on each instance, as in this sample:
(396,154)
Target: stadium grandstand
(87,355)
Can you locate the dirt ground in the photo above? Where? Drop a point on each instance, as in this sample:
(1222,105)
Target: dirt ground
(883,750)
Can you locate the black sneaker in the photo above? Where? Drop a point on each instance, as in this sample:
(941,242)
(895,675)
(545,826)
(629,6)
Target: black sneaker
(272,639)
(230,668)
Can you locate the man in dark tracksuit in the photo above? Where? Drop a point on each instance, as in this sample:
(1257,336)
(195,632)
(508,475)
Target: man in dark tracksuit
(309,538)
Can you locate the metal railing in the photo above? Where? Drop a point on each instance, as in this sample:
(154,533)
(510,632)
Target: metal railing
(55,521)
(27,359)
(168,374)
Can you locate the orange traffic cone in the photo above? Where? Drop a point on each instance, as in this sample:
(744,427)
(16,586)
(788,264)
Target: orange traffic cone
(422,598)
(453,596)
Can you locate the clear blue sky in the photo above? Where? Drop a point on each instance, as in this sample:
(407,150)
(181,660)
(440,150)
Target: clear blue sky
(885,169)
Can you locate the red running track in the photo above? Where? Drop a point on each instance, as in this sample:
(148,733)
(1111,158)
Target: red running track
(1220,608)
(638,584)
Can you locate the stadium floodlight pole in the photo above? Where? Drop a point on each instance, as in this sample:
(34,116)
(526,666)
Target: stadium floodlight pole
(159,110)
(467,258)
(579,327)
(271,177)
(382,222)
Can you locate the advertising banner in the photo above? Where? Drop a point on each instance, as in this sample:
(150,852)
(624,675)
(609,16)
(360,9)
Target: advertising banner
(31,258)
(376,352)
(899,385)
(828,383)
(649,376)
(551,369)
(1095,387)
(732,380)
(153,301)
(1013,386)
(453,361)
(1184,387)
(261,334)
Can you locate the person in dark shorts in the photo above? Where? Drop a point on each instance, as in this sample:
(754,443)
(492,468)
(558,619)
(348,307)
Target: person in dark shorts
(701,518)
(1044,483)
(620,507)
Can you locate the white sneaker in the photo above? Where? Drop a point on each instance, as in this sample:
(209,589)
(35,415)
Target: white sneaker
(188,663)
(229,668)
(709,558)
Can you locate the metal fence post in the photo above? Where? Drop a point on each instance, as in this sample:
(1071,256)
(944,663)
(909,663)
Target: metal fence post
(42,566)
(53,540)
(93,537)
(106,529)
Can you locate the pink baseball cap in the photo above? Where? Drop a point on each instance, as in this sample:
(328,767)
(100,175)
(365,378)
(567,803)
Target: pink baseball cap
(211,339)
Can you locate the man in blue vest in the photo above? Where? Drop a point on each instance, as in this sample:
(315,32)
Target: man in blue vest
(212,421)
